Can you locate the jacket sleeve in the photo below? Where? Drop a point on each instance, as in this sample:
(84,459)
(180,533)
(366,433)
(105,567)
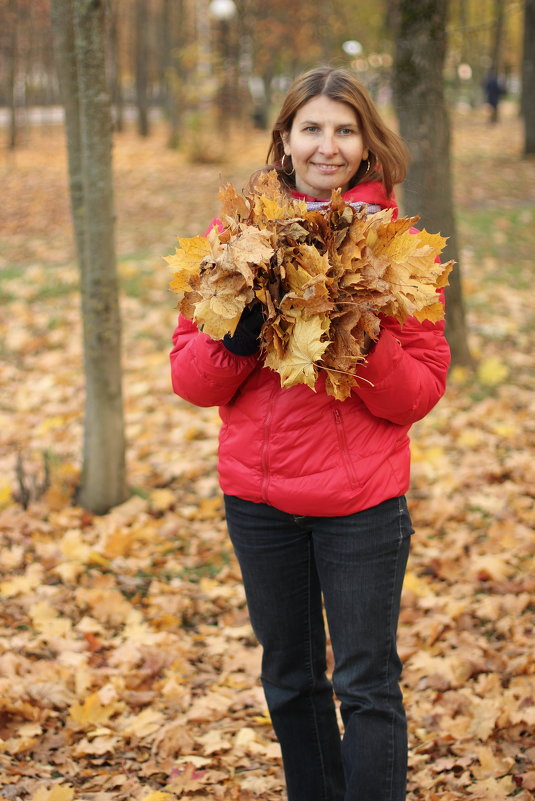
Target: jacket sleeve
(405,374)
(203,371)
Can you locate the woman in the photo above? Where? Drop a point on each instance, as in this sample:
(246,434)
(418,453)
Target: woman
(314,487)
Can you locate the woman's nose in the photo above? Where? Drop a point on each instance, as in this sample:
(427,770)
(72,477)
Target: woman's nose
(328,143)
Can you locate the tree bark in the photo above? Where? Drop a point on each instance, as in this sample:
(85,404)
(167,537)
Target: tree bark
(141,66)
(497,38)
(13,24)
(172,38)
(80,46)
(115,67)
(424,124)
(528,78)
(65,52)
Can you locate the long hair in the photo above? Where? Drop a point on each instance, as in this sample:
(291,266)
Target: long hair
(388,155)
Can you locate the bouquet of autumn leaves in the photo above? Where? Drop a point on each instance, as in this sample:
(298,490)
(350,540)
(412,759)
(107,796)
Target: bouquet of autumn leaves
(323,277)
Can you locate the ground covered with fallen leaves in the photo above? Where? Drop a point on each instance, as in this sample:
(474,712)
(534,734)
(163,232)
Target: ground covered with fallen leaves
(128,669)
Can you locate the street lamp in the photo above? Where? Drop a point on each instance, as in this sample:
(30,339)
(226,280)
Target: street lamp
(223,11)
(352,48)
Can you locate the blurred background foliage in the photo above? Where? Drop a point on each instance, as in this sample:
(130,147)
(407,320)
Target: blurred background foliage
(204,65)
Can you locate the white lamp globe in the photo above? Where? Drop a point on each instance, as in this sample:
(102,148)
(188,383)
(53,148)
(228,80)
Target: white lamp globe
(222,9)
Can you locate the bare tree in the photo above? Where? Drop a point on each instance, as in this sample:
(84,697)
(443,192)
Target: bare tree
(497,37)
(528,78)
(141,57)
(115,66)
(13,59)
(420,32)
(80,43)
(172,37)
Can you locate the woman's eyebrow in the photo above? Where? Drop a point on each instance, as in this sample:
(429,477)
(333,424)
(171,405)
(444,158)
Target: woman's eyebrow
(338,124)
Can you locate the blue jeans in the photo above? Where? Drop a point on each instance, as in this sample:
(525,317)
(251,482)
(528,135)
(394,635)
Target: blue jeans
(357,564)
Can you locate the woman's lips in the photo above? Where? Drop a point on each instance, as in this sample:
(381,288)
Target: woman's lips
(326,167)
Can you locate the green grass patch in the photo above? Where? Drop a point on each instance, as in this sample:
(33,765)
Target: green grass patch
(502,241)
(136,274)
(31,282)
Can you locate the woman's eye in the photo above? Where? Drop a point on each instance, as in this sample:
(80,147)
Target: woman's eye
(346,131)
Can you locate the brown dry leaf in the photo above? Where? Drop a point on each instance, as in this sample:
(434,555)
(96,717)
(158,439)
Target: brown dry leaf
(490,764)
(249,248)
(233,204)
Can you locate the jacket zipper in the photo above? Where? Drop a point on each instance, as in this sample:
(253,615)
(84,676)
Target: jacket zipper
(265,446)
(344,448)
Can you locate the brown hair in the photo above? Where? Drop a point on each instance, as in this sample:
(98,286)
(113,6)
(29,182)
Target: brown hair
(388,154)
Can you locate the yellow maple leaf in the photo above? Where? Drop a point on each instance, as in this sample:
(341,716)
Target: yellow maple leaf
(305,346)
(271,203)
(162,499)
(434,312)
(74,548)
(157,795)
(415,584)
(92,711)
(57,793)
(211,320)
(296,276)
(269,208)
(31,579)
(186,261)
(47,621)
(6,494)
(436,242)
(492,371)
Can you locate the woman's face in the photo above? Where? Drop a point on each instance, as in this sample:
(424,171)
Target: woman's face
(326,146)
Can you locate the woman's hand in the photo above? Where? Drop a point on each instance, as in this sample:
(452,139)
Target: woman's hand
(244,341)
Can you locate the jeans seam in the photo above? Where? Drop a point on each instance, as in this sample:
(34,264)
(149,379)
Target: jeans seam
(311,671)
(391,755)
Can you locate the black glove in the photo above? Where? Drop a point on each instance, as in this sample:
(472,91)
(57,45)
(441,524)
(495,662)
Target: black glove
(244,340)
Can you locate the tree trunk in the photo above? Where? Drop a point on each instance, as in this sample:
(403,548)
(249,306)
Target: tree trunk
(65,52)
(115,67)
(528,78)
(424,125)
(13,24)
(141,66)
(172,21)
(497,38)
(80,45)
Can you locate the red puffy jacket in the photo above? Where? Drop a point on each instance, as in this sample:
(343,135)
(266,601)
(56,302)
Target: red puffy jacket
(302,451)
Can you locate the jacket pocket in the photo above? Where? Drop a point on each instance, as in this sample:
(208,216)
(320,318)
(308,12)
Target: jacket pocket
(344,448)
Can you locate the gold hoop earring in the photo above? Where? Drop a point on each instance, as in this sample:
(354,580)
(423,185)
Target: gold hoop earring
(283,169)
(367,167)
